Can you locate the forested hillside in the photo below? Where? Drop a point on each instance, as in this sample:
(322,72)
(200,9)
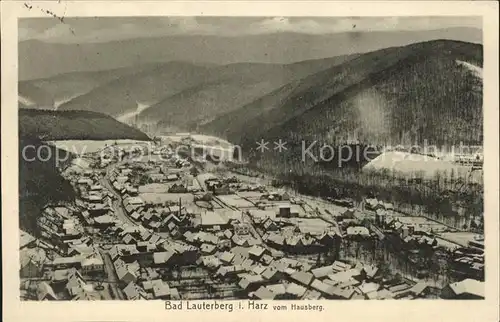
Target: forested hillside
(73,125)
(228,88)
(393,96)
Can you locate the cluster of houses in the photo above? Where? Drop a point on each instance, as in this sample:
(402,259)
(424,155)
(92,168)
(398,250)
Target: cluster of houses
(260,275)
(139,267)
(60,226)
(468,262)
(62,267)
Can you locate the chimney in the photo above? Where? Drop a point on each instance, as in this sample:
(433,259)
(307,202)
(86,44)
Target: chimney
(180,206)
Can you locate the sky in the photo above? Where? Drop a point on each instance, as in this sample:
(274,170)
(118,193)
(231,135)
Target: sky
(103,29)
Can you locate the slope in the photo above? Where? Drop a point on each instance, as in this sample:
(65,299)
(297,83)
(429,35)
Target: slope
(32,96)
(122,95)
(233,86)
(64,87)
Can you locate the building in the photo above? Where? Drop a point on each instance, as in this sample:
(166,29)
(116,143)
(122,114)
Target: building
(26,240)
(93,264)
(124,273)
(134,292)
(467,289)
(32,262)
(45,292)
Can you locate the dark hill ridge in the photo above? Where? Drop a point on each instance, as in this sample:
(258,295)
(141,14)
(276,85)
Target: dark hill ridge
(51,125)
(391,95)
(40,60)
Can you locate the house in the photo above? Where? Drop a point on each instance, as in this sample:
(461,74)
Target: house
(372,272)
(241,229)
(272,274)
(26,240)
(303,278)
(229,271)
(223,244)
(67,262)
(84,295)
(145,235)
(373,204)
(135,215)
(75,283)
(125,275)
(256,252)
(465,290)
(279,290)
(266,259)
(134,292)
(259,269)
(325,289)
(104,221)
(276,240)
(211,262)
(161,290)
(419,290)
(295,291)
(129,239)
(342,293)
(367,288)
(358,231)
(172,177)
(163,258)
(262,293)
(248,264)
(226,257)
(321,272)
(154,239)
(207,249)
(177,188)
(45,292)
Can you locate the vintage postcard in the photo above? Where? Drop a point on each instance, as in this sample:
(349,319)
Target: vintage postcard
(242,160)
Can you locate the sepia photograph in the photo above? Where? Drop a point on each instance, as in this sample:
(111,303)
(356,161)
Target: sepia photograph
(201,160)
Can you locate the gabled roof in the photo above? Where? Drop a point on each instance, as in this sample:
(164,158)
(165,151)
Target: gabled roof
(226,257)
(264,293)
(133,292)
(468,286)
(304,278)
(45,292)
(257,250)
(322,271)
(269,273)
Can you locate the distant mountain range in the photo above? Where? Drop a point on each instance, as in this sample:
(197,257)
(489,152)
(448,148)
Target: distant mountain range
(41,60)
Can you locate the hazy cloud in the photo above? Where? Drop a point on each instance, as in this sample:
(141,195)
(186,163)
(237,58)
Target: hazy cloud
(101,29)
